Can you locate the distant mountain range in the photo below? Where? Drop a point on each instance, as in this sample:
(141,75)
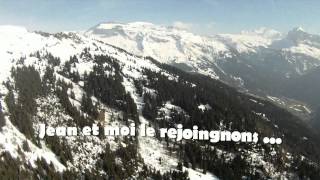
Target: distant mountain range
(263,62)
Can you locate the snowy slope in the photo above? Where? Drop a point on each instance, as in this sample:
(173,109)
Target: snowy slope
(12,140)
(16,43)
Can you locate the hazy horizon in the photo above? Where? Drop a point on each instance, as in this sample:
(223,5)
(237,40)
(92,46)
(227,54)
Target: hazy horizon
(164,25)
(201,17)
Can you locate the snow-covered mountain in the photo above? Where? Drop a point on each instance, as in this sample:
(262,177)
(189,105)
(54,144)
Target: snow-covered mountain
(148,39)
(70,79)
(176,46)
(166,44)
(173,45)
(258,61)
(79,156)
(160,42)
(301,42)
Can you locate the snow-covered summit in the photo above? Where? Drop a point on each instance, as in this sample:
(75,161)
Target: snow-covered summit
(299,41)
(171,44)
(299,35)
(160,42)
(174,44)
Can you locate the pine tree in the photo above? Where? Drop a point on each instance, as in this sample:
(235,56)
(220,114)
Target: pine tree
(54,61)
(88,107)
(28,85)
(2,119)
(25,146)
(48,81)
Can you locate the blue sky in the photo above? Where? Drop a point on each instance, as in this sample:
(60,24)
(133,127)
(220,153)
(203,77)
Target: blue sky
(200,16)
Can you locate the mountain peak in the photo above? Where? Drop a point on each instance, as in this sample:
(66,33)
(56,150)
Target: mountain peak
(297,31)
(298,34)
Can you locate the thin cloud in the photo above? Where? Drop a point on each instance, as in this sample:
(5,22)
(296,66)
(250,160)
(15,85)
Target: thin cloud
(182,25)
(203,28)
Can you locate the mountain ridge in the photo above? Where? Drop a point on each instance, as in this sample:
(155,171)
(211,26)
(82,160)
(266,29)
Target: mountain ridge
(244,60)
(49,77)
